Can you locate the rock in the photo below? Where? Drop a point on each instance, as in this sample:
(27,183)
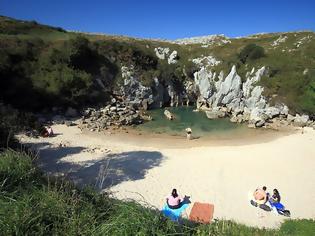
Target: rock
(233,119)
(207,61)
(134,92)
(250,125)
(258,115)
(172,59)
(145,104)
(71,112)
(230,89)
(260,123)
(248,85)
(256,100)
(215,114)
(290,118)
(301,120)
(272,112)
(168,115)
(285,110)
(161,53)
(113,109)
(202,83)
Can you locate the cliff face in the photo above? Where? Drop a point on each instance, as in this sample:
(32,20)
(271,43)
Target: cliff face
(218,96)
(251,79)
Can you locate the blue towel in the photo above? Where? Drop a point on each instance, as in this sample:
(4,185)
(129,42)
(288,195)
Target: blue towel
(277,205)
(173,214)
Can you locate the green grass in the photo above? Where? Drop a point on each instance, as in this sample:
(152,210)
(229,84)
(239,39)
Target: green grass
(33,204)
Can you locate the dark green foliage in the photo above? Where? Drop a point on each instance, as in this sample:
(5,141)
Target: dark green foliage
(13,121)
(36,75)
(14,27)
(251,52)
(298,227)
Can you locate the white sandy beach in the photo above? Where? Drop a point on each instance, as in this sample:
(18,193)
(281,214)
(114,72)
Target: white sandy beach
(146,169)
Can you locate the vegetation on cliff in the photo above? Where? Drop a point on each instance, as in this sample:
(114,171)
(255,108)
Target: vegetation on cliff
(43,66)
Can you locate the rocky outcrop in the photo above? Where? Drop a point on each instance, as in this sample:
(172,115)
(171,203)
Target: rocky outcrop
(208,40)
(243,102)
(301,120)
(134,93)
(114,114)
(206,61)
(172,59)
(164,53)
(161,53)
(216,94)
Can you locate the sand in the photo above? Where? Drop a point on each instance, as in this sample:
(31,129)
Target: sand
(222,172)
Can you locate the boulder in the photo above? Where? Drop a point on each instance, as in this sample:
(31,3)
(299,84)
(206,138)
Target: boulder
(257,116)
(168,115)
(301,120)
(272,112)
(290,118)
(172,59)
(215,114)
(260,123)
(161,53)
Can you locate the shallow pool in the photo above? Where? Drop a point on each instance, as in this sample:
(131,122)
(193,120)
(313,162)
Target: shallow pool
(184,118)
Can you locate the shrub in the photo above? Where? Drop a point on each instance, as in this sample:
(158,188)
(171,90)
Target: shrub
(251,52)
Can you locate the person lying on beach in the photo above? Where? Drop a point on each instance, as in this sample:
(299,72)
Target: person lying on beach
(174,201)
(276,196)
(260,195)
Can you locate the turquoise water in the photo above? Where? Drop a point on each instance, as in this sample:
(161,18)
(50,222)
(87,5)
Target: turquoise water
(184,118)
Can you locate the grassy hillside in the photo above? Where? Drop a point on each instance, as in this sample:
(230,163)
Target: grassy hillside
(44,63)
(32,204)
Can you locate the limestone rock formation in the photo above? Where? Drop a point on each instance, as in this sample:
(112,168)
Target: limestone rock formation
(133,91)
(172,59)
(168,115)
(162,53)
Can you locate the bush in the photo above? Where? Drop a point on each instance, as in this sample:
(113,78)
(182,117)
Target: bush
(251,52)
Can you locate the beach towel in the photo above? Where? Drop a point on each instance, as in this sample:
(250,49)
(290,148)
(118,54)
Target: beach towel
(173,214)
(280,208)
(201,212)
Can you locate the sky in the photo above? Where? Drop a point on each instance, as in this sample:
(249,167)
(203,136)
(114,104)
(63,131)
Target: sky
(170,19)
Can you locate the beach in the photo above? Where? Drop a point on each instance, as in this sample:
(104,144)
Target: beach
(225,173)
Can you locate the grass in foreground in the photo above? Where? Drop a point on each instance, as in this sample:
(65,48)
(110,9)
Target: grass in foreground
(32,204)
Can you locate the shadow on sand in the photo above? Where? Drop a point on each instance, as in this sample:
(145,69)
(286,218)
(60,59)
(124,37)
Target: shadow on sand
(106,171)
(117,168)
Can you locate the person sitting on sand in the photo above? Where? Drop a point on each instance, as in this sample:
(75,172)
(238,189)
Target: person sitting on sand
(260,195)
(276,196)
(48,132)
(174,201)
